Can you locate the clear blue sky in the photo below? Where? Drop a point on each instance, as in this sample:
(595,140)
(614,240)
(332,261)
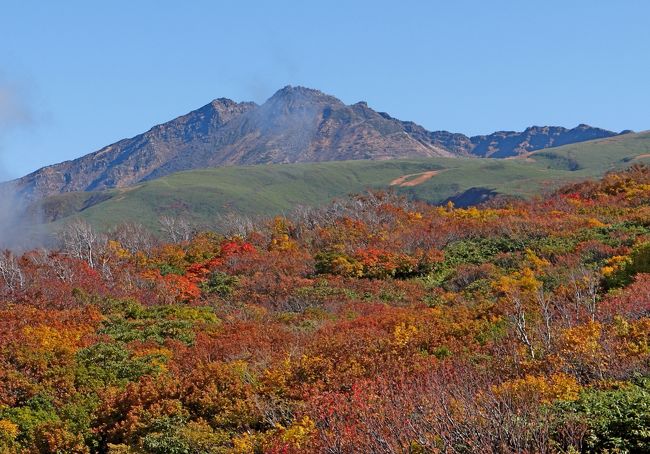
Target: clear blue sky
(78,75)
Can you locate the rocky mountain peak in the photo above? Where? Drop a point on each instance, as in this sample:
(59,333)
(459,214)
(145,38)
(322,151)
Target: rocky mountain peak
(299,97)
(224,104)
(290,91)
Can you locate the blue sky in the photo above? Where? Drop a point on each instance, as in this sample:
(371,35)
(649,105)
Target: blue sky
(78,75)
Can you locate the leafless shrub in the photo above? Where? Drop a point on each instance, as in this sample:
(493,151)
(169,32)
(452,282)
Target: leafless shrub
(233,224)
(133,237)
(79,240)
(11,276)
(176,229)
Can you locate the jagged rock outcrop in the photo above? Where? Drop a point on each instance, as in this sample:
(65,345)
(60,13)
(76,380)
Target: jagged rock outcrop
(504,144)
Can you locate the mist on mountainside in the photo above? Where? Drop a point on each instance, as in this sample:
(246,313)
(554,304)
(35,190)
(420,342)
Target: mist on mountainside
(16,220)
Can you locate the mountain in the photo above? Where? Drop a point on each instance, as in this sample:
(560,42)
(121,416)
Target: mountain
(505,144)
(295,125)
(205,196)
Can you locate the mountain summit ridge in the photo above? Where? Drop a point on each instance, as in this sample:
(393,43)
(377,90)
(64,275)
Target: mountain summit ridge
(296,124)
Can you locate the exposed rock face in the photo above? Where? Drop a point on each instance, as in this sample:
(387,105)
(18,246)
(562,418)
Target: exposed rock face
(296,124)
(503,144)
(133,160)
(302,125)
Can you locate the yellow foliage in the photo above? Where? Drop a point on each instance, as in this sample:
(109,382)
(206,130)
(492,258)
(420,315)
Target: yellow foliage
(281,242)
(621,326)
(607,270)
(469,213)
(244,443)
(8,431)
(636,190)
(153,351)
(541,388)
(593,222)
(528,281)
(618,259)
(52,339)
(313,367)
(474,213)
(614,264)
(341,265)
(141,259)
(414,216)
(278,376)
(403,333)
(537,262)
(582,339)
(298,433)
(116,248)
(522,281)
(638,337)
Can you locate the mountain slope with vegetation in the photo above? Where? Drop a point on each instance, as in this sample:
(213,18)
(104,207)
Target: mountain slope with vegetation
(295,125)
(374,324)
(204,196)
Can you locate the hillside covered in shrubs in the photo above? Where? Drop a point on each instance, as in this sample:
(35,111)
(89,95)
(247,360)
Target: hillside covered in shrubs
(374,324)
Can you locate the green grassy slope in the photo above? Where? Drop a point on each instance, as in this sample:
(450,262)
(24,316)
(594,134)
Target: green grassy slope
(599,156)
(203,195)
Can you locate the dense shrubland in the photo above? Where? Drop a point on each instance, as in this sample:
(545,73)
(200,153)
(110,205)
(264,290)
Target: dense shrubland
(372,325)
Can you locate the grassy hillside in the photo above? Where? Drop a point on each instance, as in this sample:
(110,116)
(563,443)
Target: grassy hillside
(598,156)
(203,195)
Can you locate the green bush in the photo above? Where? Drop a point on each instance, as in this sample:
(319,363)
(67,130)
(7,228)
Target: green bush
(639,262)
(221,284)
(618,420)
(129,321)
(111,363)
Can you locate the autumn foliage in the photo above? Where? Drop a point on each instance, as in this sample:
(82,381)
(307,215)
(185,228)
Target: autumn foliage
(373,325)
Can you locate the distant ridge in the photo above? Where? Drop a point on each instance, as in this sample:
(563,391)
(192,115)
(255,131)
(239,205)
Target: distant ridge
(296,124)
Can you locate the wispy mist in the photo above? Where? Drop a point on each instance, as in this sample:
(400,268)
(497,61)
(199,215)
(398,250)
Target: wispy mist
(14,108)
(16,219)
